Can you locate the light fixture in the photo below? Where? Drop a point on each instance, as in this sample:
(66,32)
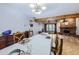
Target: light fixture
(61,21)
(37,8)
(43,7)
(36,11)
(66,23)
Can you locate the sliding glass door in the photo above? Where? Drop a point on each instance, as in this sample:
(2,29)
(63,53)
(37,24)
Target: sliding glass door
(50,27)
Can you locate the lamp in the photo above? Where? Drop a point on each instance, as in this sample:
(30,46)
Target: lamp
(37,8)
(66,23)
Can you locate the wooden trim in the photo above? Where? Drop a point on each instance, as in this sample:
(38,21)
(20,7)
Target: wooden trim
(62,16)
(75,15)
(68,27)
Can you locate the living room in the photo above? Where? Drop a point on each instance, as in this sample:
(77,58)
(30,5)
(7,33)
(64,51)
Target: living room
(57,21)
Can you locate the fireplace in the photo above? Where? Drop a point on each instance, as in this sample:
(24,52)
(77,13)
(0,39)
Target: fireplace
(68,30)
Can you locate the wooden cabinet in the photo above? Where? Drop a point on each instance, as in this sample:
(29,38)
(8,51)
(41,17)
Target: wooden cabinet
(2,42)
(27,33)
(8,40)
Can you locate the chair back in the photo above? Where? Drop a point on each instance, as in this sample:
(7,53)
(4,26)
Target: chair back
(56,42)
(54,48)
(59,47)
(18,36)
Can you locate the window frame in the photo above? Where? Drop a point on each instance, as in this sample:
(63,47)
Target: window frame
(47,24)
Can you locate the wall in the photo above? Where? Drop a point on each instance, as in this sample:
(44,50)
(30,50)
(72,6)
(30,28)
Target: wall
(58,27)
(11,17)
(77,25)
(37,27)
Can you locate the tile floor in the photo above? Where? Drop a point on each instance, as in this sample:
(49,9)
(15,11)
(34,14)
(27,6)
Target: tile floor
(70,45)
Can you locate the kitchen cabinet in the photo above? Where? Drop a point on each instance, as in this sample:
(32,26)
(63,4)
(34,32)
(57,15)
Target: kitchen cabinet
(8,40)
(2,42)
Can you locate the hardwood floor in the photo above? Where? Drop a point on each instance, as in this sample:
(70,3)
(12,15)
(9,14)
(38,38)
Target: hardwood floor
(70,45)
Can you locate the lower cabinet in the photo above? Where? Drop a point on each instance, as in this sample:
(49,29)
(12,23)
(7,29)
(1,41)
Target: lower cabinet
(2,42)
(27,33)
(8,40)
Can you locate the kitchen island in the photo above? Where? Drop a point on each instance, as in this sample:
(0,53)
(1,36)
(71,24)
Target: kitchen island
(40,44)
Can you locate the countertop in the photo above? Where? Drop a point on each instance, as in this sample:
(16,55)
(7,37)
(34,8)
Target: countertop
(40,45)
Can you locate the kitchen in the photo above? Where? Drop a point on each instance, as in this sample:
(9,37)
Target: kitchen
(19,24)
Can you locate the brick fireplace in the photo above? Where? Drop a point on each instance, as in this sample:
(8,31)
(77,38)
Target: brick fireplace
(68,30)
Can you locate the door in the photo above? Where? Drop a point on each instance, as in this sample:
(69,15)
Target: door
(50,27)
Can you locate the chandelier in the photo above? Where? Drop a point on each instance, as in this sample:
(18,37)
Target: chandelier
(37,8)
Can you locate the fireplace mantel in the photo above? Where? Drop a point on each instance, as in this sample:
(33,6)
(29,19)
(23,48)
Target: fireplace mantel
(68,27)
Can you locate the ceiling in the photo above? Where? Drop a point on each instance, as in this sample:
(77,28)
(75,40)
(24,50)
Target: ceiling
(53,9)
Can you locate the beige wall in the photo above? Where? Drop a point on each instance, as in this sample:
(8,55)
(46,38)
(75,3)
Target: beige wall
(77,25)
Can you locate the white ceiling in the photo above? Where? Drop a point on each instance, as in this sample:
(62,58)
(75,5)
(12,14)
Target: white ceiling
(53,9)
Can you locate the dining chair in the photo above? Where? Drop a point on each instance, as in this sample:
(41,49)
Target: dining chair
(60,47)
(18,36)
(57,50)
(54,49)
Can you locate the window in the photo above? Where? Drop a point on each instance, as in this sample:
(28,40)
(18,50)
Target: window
(50,27)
